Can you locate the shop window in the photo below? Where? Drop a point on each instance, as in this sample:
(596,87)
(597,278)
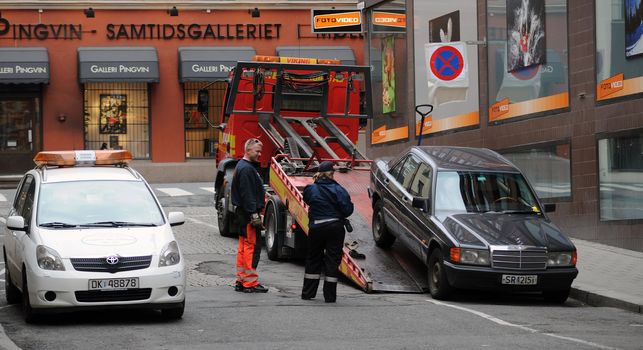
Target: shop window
(547,167)
(388,57)
(620,163)
(446,69)
(201,139)
(619,50)
(117,117)
(527,58)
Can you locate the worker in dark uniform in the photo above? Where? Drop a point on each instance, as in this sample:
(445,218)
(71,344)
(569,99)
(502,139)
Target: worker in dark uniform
(329,205)
(248,196)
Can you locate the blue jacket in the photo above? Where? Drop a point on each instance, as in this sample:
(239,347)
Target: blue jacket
(247,188)
(329,202)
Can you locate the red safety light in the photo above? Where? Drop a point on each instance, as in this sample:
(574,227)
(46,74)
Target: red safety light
(260,58)
(73,158)
(293,226)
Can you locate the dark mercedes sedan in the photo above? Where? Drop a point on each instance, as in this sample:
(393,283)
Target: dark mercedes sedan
(473,218)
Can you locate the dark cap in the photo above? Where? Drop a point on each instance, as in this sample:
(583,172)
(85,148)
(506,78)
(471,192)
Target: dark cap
(325,166)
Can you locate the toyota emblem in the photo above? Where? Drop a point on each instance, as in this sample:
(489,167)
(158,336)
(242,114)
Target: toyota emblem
(112,259)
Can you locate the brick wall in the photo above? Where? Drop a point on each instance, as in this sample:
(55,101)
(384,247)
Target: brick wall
(579,217)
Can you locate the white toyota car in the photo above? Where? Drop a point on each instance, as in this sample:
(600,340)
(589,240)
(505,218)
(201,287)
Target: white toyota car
(86,231)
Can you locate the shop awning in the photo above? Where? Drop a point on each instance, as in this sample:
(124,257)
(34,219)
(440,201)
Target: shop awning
(343,53)
(26,65)
(118,64)
(198,63)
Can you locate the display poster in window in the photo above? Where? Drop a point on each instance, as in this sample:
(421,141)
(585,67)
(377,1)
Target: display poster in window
(388,75)
(445,29)
(633,28)
(528,70)
(525,33)
(193,119)
(113,114)
(619,50)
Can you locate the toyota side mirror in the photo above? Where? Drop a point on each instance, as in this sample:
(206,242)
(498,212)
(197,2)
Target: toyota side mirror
(16,223)
(176,218)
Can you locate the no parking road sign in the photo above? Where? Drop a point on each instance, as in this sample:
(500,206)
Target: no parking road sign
(446,62)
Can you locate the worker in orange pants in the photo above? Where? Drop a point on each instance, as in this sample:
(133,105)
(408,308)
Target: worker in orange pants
(248,196)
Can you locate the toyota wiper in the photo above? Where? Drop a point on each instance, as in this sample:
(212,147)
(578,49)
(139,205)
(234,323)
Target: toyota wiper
(118,224)
(57,224)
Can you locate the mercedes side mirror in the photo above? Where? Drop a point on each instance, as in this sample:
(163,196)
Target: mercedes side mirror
(550,207)
(421,203)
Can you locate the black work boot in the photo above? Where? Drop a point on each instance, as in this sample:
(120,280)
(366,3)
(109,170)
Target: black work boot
(330,291)
(309,291)
(256,289)
(238,287)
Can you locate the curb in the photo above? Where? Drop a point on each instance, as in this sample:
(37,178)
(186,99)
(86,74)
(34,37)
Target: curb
(594,299)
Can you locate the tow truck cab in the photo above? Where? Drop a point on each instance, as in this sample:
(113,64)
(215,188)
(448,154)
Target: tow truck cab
(309,109)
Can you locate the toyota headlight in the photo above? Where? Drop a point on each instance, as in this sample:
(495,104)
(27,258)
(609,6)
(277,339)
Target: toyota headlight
(170,255)
(469,256)
(561,259)
(49,259)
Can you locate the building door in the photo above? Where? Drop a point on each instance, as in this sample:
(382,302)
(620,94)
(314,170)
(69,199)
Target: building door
(19,132)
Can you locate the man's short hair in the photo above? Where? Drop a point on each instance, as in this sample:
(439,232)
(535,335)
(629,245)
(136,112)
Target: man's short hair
(251,142)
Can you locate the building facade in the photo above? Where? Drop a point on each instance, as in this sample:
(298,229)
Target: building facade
(125,75)
(556,86)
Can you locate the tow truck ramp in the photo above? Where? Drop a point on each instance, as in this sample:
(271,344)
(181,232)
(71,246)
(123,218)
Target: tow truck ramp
(369,267)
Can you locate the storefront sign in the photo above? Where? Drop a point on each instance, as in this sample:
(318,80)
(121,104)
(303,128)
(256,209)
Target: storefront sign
(40,31)
(389,21)
(24,65)
(336,21)
(193,31)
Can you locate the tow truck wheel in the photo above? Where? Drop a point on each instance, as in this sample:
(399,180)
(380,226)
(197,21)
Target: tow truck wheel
(383,238)
(224,217)
(271,239)
(438,283)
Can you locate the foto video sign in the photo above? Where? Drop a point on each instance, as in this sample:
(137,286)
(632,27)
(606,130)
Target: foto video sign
(336,21)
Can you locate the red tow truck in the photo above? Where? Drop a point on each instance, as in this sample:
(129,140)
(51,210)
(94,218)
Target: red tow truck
(304,111)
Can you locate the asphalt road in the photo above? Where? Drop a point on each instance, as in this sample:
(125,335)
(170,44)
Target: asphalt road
(216,317)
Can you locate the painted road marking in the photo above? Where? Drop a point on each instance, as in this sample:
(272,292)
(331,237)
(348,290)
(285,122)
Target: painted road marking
(2,198)
(509,324)
(175,192)
(209,189)
(3,220)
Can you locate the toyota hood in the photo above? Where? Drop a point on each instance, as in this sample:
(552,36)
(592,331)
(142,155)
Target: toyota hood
(485,229)
(99,242)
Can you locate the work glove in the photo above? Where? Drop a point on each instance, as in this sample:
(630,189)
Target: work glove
(256,222)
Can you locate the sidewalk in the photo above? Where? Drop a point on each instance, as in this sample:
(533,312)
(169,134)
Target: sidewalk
(608,276)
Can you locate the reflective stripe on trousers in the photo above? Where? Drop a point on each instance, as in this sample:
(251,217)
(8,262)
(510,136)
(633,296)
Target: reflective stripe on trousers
(248,258)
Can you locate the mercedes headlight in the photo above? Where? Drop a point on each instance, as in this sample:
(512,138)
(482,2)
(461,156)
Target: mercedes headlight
(170,255)
(49,259)
(561,259)
(470,256)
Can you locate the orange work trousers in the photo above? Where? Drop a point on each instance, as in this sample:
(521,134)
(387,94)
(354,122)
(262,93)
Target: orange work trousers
(248,254)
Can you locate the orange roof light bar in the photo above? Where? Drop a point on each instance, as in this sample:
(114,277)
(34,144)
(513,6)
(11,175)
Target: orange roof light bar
(73,158)
(300,60)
